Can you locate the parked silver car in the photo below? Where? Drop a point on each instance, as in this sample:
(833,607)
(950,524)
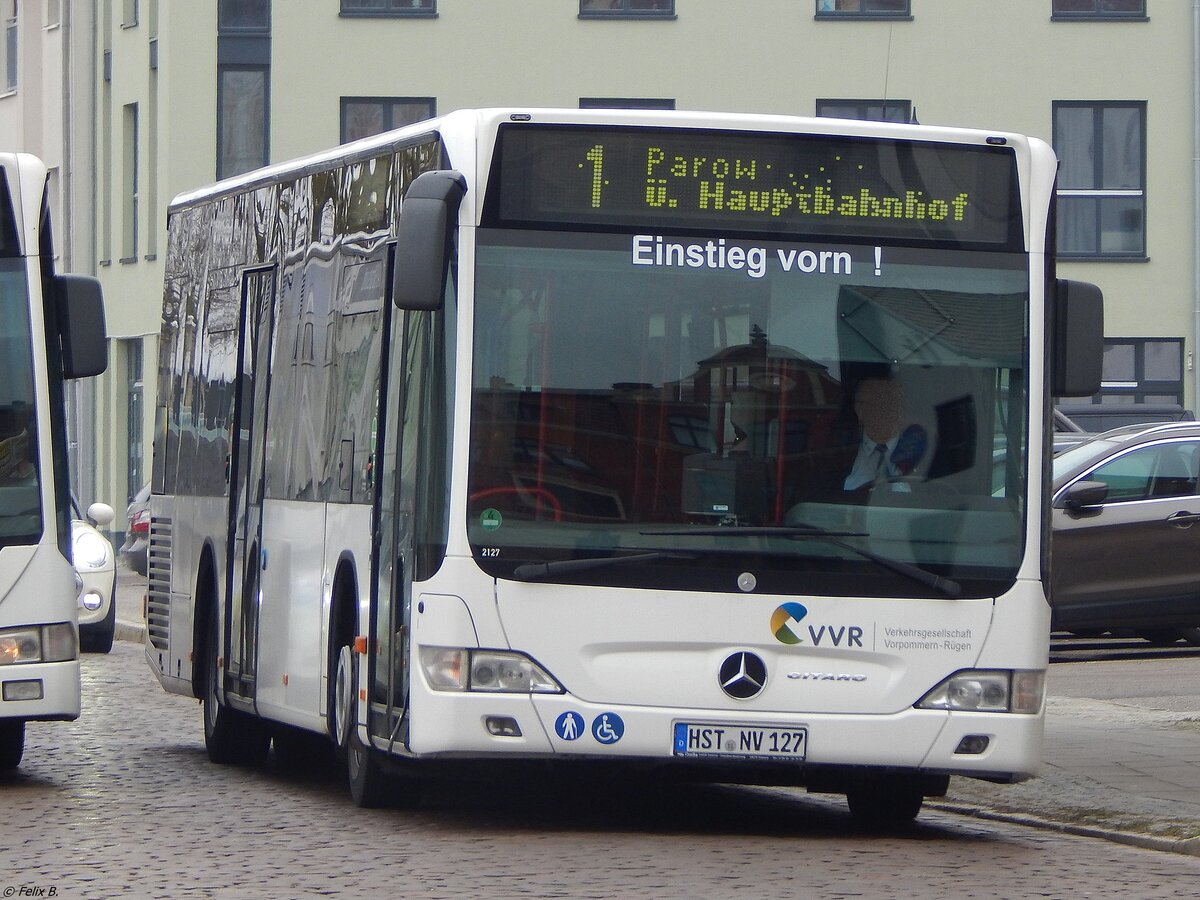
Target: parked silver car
(1126,542)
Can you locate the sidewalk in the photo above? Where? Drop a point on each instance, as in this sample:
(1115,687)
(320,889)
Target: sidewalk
(1126,771)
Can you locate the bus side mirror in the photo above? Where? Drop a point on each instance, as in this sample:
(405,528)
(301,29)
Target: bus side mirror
(1077,351)
(80,306)
(423,239)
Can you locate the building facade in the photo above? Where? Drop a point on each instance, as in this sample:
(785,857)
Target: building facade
(182,93)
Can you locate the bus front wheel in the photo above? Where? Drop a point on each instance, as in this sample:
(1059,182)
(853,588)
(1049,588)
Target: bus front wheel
(12,743)
(886,802)
(371,786)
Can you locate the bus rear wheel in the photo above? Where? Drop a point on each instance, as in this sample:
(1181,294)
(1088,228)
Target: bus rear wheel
(230,737)
(12,744)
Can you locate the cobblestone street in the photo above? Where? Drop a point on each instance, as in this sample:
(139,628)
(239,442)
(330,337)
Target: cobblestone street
(125,803)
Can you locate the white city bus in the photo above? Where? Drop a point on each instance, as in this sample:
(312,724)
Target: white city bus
(525,434)
(51,328)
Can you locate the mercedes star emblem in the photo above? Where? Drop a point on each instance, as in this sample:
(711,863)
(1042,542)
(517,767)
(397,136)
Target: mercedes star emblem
(742,675)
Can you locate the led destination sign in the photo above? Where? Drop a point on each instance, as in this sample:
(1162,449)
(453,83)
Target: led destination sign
(778,184)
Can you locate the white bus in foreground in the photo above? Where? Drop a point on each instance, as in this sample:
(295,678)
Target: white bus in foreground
(534,434)
(51,328)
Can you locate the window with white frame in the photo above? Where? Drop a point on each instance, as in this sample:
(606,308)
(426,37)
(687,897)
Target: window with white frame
(1102,178)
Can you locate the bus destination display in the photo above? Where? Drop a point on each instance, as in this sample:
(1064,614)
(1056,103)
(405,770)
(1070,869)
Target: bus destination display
(793,184)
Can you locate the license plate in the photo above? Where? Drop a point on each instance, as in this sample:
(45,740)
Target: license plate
(707,739)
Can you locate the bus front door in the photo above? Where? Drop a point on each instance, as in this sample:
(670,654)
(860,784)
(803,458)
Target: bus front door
(247,482)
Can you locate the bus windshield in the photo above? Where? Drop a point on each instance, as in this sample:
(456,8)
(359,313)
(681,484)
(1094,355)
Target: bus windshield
(676,398)
(20,503)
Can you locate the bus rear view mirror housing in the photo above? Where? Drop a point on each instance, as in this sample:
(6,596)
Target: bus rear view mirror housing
(1077,352)
(81,325)
(423,239)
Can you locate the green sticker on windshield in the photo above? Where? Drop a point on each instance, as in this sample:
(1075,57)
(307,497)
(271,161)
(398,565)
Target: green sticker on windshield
(490,519)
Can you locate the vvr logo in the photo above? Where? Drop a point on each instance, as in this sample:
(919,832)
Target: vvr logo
(785,624)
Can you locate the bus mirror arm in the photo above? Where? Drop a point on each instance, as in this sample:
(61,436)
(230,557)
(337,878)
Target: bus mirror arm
(424,236)
(80,307)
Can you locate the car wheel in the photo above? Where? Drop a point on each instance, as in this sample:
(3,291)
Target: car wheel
(231,737)
(12,744)
(1191,635)
(1163,637)
(98,637)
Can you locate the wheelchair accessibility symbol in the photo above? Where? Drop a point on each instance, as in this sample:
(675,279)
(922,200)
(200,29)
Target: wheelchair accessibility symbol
(569,726)
(607,728)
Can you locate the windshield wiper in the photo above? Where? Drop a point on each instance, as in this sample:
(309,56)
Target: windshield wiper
(945,586)
(538,571)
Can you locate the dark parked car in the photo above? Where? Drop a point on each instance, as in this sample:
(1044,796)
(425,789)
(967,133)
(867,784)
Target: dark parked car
(1068,432)
(1099,417)
(1126,542)
(137,539)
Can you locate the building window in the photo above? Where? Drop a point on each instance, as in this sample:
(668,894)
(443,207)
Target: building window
(1142,370)
(243,16)
(426,8)
(129,13)
(867,110)
(241,119)
(608,9)
(243,85)
(10,45)
(1098,9)
(129,178)
(53,13)
(626,103)
(1101,179)
(863,9)
(365,116)
(133,416)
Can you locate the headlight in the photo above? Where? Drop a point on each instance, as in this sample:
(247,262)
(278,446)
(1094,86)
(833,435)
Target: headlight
(47,643)
(493,671)
(993,690)
(90,550)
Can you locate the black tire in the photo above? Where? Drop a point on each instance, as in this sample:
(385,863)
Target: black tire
(231,737)
(302,752)
(98,637)
(886,803)
(12,743)
(371,785)
(1163,637)
(1191,635)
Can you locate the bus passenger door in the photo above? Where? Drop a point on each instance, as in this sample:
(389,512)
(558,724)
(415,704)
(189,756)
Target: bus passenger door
(403,477)
(247,481)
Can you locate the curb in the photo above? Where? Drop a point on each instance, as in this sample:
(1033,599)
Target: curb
(130,631)
(1187,847)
